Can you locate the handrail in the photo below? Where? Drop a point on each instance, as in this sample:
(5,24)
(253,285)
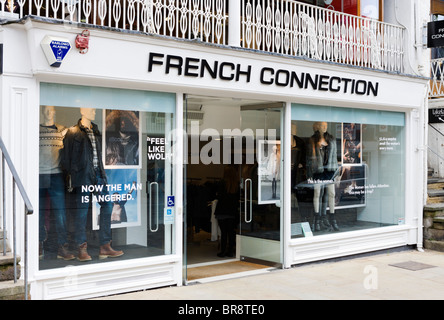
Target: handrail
(436,154)
(28,211)
(430,125)
(430,149)
(20,186)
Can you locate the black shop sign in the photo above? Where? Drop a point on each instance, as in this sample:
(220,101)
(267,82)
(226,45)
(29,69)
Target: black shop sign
(436,115)
(435,34)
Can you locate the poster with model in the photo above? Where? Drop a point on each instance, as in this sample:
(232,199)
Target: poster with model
(123,190)
(350,186)
(269,159)
(121,139)
(351,144)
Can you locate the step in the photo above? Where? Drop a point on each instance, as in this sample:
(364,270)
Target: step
(434,245)
(435,192)
(438,223)
(7,267)
(438,184)
(12,291)
(433,234)
(434,179)
(434,210)
(430,172)
(434,200)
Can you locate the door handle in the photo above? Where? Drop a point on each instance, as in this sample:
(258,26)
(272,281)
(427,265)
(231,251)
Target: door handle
(151,206)
(248,181)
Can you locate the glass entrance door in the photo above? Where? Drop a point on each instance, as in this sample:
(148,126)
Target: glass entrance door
(241,137)
(260,232)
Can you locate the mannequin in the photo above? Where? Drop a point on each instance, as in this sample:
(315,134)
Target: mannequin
(297,158)
(273,168)
(51,182)
(322,165)
(298,174)
(82,160)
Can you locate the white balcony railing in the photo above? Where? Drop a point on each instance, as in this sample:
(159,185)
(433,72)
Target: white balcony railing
(280,26)
(436,85)
(294,28)
(188,19)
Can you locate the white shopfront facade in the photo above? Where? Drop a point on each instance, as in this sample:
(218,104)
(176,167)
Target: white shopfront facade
(159,74)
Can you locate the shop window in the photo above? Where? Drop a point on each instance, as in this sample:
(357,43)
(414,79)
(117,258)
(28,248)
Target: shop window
(348,170)
(105,175)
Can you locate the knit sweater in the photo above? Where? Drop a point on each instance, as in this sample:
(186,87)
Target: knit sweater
(51,144)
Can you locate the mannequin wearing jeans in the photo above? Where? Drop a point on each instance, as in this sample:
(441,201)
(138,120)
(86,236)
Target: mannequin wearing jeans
(51,182)
(322,164)
(82,160)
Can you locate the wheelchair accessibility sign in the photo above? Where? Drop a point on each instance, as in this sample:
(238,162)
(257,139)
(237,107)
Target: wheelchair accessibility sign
(168,216)
(170,201)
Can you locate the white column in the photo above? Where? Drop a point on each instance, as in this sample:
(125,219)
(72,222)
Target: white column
(286,199)
(178,163)
(234,23)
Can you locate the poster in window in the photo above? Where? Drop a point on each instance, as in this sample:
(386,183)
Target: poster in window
(350,187)
(269,159)
(369,9)
(351,144)
(122,139)
(123,191)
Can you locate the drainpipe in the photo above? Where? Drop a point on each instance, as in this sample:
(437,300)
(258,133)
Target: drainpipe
(234,23)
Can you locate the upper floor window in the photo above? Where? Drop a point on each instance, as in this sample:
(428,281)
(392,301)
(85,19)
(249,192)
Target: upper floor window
(364,8)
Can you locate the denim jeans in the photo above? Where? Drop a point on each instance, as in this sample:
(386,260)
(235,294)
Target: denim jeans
(52,197)
(82,212)
(325,194)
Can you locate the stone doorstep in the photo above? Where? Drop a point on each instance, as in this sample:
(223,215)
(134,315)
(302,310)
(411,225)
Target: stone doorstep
(434,245)
(12,291)
(8,259)
(436,185)
(433,234)
(434,210)
(435,192)
(438,223)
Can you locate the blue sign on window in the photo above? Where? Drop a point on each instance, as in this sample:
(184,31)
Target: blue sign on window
(170,201)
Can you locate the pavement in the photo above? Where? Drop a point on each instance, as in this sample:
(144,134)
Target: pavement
(407,274)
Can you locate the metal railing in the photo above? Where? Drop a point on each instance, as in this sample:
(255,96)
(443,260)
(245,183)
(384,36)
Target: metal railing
(287,27)
(294,28)
(436,165)
(188,19)
(16,184)
(436,85)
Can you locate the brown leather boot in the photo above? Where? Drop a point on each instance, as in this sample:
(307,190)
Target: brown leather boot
(64,254)
(83,253)
(106,251)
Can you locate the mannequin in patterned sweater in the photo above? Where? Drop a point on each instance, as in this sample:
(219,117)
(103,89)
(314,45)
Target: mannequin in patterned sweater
(51,182)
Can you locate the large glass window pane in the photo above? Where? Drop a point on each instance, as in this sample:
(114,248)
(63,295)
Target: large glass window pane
(105,175)
(348,169)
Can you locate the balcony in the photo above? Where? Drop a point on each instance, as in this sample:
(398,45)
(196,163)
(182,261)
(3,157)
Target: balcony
(436,85)
(286,27)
